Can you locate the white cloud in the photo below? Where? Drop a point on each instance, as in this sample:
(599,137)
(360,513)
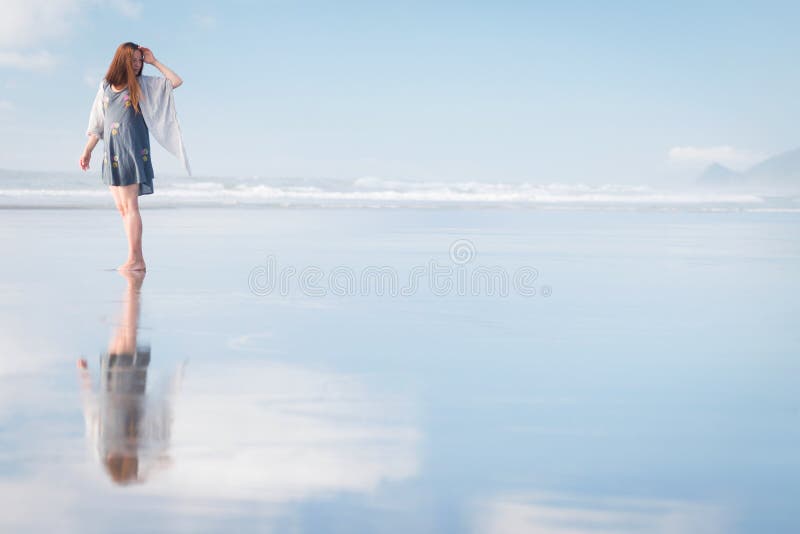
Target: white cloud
(5,105)
(27,24)
(41,60)
(738,159)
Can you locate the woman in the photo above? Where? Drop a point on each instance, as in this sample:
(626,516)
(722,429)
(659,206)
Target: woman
(127,108)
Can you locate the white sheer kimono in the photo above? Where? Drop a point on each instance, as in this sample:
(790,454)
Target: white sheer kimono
(158,109)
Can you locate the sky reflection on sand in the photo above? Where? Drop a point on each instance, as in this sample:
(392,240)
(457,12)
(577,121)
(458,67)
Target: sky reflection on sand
(655,390)
(237,430)
(545,513)
(245,429)
(280,432)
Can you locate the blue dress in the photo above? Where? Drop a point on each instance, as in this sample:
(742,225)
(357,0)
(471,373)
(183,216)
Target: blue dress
(126,158)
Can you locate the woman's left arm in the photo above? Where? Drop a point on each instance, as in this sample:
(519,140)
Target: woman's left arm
(148,57)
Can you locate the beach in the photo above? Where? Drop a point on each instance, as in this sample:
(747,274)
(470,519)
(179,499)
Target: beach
(411,268)
(449,368)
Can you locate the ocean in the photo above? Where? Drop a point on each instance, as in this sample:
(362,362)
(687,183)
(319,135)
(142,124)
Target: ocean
(29,189)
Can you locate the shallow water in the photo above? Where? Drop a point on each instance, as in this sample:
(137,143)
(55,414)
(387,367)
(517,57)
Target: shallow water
(648,384)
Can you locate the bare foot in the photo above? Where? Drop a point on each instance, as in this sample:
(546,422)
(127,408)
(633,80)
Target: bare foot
(132,266)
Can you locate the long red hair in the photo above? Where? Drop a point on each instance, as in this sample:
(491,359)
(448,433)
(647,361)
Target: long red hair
(121,73)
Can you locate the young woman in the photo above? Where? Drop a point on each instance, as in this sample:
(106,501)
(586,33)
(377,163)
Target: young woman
(127,108)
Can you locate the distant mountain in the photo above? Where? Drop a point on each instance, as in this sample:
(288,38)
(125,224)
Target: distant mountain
(782,171)
(716,174)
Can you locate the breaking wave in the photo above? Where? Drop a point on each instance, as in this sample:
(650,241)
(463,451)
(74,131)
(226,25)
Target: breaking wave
(41,190)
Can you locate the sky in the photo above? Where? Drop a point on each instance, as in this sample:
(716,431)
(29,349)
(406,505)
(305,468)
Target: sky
(502,91)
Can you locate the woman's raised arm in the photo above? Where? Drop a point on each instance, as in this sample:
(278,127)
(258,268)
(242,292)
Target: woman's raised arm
(148,57)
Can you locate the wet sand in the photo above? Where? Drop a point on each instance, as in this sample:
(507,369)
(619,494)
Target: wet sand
(637,374)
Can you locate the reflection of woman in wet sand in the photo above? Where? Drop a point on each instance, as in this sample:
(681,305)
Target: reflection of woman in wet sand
(128,426)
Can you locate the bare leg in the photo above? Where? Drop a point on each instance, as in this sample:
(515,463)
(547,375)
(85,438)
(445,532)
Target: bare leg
(127,200)
(119,201)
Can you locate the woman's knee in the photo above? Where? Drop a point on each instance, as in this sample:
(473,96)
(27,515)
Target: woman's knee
(130,199)
(126,198)
(127,208)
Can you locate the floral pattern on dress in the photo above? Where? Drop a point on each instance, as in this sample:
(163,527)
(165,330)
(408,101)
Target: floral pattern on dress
(127,150)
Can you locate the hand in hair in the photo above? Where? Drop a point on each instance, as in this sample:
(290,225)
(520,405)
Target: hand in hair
(147,55)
